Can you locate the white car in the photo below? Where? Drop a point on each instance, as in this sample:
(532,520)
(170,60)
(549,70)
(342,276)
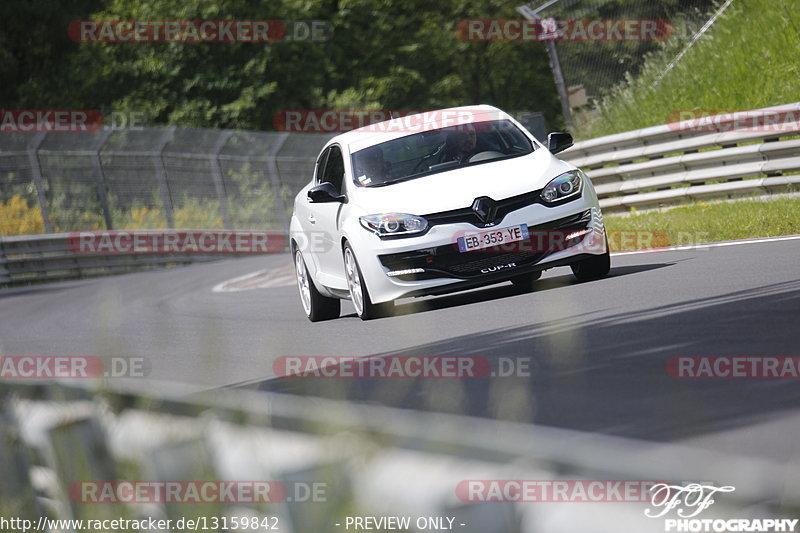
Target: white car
(440,202)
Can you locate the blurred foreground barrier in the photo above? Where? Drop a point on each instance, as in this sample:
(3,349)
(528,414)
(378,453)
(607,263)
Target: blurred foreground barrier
(304,465)
(35,258)
(706,156)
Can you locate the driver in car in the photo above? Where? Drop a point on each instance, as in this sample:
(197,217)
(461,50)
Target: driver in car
(460,145)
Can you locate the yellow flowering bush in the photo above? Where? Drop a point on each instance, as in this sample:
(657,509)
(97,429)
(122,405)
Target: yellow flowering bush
(142,217)
(18,218)
(197,214)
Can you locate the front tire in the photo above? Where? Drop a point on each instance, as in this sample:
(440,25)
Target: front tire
(316,306)
(594,267)
(359,294)
(527,282)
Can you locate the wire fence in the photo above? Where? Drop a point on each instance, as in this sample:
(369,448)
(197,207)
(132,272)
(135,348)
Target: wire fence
(592,68)
(152,178)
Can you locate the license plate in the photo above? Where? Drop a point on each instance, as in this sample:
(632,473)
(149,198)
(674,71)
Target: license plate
(492,237)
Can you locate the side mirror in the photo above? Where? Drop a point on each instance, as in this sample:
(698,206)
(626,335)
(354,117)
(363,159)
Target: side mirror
(558,141)
(325,193)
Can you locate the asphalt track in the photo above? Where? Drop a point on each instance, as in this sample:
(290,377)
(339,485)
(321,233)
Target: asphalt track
(597,351)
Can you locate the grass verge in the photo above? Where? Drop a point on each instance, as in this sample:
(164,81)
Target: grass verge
(750,58)
(703,222)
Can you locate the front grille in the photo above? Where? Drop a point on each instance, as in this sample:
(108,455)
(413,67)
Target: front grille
(466,214)
(446,261)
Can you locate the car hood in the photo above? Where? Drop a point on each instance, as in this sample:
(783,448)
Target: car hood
(455,189)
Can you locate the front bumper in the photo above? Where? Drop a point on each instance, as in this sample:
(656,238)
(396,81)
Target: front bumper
(432,263)
(448,262)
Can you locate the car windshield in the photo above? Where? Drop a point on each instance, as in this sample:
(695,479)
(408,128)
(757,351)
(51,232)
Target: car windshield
(438,150)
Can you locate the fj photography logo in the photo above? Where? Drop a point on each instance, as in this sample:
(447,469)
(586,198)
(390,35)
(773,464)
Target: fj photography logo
(687,502)
(198,31)
(68,120)
(551,29)
(401,367)
(71,367)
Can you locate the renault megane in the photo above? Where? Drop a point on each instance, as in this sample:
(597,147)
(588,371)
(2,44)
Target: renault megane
(439,202)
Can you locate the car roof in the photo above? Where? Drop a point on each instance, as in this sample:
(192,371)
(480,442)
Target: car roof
(388,130)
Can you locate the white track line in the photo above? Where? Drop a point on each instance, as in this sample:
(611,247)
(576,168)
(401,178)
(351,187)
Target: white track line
(284,276)
(262,279)
(706,245)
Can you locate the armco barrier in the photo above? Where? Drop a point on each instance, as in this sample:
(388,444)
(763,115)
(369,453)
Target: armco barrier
(50,257)
(718,156)
(662,165)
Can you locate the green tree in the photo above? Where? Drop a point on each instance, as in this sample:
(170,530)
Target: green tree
(382,54)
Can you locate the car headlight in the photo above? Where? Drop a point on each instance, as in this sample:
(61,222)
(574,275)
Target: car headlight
(394,224)
(565,186)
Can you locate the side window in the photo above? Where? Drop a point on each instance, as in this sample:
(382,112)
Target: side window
(334,168)
(320,166)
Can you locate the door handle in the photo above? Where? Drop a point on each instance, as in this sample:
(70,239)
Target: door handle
(312,219)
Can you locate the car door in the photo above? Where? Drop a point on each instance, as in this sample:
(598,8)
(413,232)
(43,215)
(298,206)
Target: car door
(326,221)
(311,244)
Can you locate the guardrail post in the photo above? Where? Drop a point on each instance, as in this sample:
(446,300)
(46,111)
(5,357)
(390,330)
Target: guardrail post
(315,517)
(16,490)
(79,453)
(5,277)
(161,174)
(191,459)
(36,173)
(275,178)
(100,177)
(216,173)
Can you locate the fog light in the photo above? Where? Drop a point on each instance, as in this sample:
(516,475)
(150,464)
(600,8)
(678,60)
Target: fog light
(576,234)
(395,273)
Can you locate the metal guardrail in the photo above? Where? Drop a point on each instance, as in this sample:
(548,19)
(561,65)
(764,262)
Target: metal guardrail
(693,159)
(661,165)
(36,258)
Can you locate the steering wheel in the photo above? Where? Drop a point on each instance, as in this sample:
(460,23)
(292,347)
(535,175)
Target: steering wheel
(426,157)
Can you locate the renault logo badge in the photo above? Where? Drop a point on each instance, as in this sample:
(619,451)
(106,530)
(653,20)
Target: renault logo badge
(485,208)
